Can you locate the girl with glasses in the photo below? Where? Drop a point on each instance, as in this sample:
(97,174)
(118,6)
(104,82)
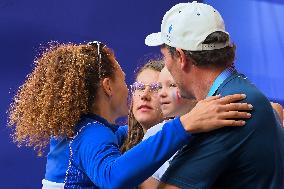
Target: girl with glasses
(172,105)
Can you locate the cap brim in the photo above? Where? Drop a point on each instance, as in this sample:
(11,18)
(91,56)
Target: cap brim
(154,39)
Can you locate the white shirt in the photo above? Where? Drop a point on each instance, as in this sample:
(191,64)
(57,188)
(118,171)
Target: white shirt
(150,132)
(46,184)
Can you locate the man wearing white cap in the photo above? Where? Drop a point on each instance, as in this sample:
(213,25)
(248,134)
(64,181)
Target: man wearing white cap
(198,53)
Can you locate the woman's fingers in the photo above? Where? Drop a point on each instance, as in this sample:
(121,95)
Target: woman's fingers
(216,112)
(211,98)
(235,115)
(237,107)
(231,98)
(219,123)
(223,123)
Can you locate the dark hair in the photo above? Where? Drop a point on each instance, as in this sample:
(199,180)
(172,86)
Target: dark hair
(135,130)
(60,89)
(214,58)
(156,64)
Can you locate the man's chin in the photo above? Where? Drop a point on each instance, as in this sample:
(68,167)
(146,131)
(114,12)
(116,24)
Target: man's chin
(187,96)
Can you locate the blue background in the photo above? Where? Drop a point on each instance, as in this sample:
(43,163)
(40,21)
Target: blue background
(257,30)
(25,26)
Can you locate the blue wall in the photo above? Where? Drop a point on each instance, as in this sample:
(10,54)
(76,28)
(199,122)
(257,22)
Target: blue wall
(256,27)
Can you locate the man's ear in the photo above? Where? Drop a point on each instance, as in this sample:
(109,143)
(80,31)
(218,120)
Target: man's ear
(107,86)
(184,64)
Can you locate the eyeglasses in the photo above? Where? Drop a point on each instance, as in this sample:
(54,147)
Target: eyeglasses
(99,46)
(140,87)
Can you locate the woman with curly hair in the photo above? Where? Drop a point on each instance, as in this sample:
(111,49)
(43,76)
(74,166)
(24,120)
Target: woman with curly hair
(72,99)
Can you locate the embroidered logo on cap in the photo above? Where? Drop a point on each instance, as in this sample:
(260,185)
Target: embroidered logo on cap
(170,28)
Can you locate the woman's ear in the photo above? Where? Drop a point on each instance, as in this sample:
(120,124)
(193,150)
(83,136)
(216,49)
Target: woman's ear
(107,86)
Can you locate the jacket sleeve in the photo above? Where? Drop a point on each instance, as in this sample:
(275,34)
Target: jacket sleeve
(121,134)
(99,155)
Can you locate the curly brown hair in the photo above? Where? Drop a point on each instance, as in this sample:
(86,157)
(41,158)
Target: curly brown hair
(60,89)
(135,129)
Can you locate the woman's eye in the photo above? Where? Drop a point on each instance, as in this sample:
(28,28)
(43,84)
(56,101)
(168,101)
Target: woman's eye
(140,87)
(173,85)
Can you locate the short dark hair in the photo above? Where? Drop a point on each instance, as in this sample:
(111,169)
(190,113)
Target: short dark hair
(215,58)
(156,64)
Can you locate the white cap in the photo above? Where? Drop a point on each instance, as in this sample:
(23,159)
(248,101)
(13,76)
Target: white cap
(186,26)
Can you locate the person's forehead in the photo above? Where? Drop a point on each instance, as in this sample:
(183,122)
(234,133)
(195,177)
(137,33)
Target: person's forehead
(148,76)
(117,65)
(165,75)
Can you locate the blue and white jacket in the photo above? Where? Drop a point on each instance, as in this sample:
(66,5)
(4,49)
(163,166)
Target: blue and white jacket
(92,158)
